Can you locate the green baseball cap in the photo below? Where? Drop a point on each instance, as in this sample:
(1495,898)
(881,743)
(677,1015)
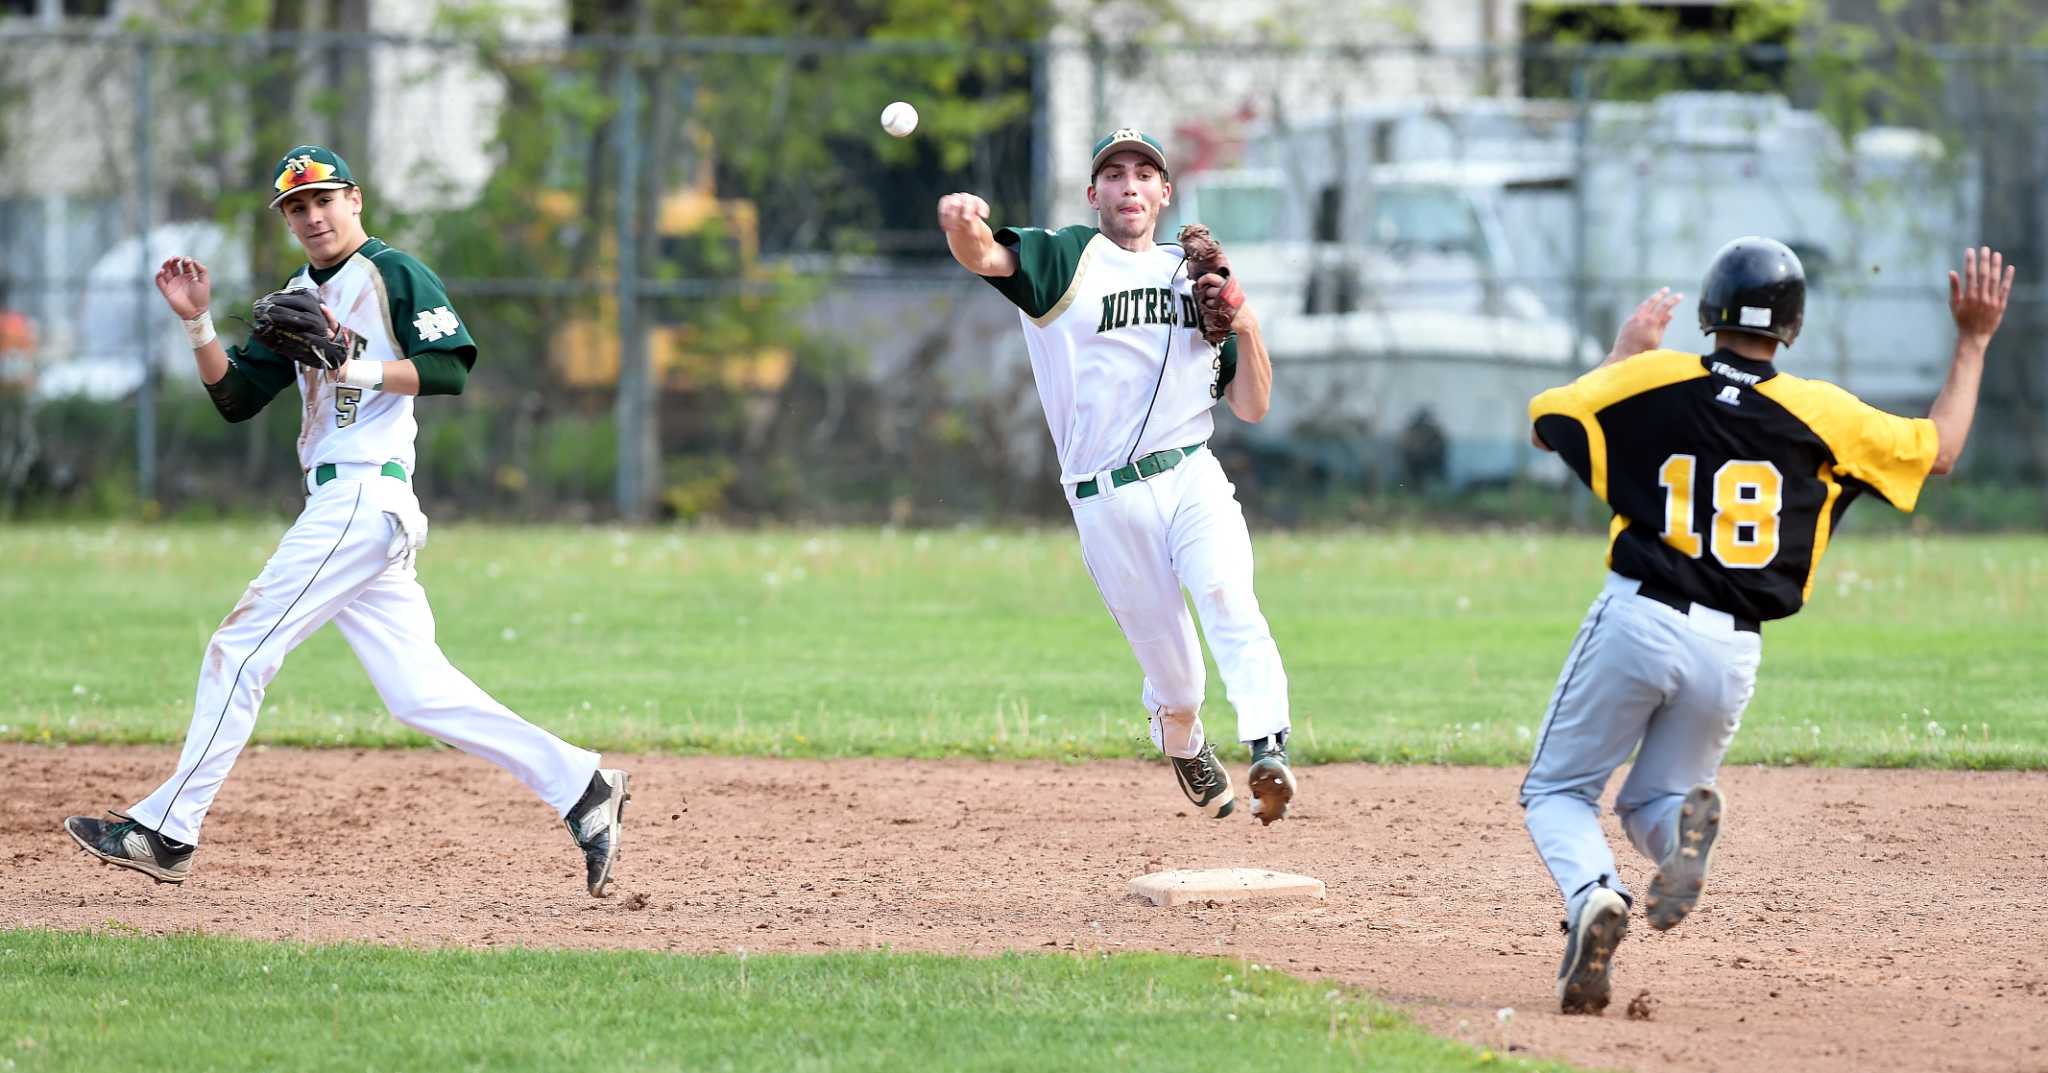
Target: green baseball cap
(1128,139)
(309,167)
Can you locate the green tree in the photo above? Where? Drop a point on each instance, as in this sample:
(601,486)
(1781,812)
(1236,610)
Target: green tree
(783,119)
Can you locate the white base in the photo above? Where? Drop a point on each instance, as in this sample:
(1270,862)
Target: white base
(1184,885)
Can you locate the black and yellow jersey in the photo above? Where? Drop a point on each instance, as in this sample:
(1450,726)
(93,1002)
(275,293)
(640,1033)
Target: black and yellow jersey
(1726,476)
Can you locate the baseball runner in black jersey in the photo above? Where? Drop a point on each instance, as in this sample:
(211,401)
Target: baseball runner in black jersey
(1727,478)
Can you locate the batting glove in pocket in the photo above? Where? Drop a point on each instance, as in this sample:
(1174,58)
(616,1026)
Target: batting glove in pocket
(408,536)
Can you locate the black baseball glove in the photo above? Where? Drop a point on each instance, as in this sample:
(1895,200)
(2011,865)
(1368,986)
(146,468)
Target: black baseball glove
(292,325)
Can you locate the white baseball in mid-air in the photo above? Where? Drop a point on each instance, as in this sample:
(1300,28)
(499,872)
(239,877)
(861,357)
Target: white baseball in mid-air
(899,119)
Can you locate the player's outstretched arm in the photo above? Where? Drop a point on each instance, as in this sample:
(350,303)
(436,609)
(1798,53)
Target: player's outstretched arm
(1976,300)
(187,288)
(964,219)
(1644,328)
(1250,393)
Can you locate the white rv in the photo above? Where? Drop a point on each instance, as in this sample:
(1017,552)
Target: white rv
(1428,254)
(1388,305)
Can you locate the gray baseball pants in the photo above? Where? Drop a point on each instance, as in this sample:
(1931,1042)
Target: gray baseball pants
(1641,677)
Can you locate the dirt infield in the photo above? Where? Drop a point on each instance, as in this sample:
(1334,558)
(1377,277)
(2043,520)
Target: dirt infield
(1856,920)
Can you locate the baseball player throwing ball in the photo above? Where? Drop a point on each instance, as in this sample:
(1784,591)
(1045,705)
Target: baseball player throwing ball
(363,329)
(1727,477)
(1132,341)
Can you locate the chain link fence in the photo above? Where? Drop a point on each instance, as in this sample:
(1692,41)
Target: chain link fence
(705,282)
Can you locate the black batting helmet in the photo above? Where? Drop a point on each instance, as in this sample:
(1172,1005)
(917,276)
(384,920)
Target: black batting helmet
(1755,285)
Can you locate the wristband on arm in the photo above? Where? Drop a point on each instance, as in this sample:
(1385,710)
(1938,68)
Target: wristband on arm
(199,329)
(364,374)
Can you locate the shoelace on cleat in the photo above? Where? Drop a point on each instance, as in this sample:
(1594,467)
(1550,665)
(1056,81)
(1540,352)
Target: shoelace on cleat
(117,834)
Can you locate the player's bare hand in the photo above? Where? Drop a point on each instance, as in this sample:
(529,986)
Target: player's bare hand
(340,372)
(186,286)
(1222,303)
(1644,328)
(958,212)
(1977,298)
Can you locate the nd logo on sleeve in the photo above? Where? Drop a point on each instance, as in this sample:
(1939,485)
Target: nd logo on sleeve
(436,323)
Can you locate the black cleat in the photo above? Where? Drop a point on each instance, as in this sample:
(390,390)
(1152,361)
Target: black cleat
(594,823)
(1681,877)
(131,845)
(1589,942)
(1205,782)
(1272,780)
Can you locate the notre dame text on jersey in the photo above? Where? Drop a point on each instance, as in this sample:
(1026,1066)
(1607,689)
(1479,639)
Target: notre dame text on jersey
(1726,476)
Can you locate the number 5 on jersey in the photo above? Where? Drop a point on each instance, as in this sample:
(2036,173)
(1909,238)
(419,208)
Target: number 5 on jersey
(345,400)
(1747,499)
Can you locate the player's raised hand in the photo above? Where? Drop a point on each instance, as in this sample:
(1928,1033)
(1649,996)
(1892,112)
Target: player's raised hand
(1644,328)
(958,212)
(1977,298)
(186,286)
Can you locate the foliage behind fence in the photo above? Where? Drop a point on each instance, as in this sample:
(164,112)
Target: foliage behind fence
(1429,234)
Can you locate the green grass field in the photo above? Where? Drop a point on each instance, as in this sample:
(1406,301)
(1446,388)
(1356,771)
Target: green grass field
(109,1001)
(1401,646)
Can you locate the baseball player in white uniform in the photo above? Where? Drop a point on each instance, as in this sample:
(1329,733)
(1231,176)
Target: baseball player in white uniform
(349,558)
(1127,380)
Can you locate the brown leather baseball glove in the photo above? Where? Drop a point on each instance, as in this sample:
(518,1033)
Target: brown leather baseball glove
(1217,295)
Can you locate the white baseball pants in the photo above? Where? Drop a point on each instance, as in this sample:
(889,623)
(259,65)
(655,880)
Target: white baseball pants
(1639,673)
(334,564)
(1143,543)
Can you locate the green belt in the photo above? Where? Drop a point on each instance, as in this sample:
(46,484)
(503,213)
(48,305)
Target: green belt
(325,471)
(1151,465)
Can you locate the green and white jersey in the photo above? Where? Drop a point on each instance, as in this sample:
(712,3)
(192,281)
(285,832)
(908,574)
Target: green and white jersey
(401,310)
(1116,347)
